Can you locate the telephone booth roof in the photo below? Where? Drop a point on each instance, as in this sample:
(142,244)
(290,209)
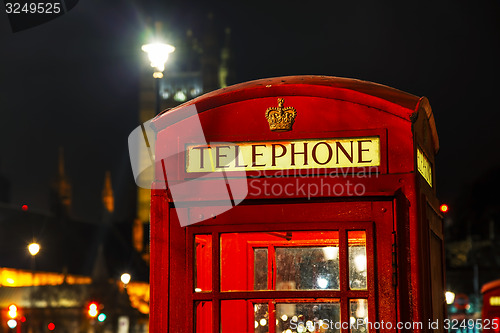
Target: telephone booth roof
(384,98)
(490,286)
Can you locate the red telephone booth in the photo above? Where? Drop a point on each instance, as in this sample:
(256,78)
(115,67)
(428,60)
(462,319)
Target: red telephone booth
(491,306)
(333,222)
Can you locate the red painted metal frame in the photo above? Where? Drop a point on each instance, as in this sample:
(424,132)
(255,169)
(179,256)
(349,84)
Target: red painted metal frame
(344,294)
(394,200)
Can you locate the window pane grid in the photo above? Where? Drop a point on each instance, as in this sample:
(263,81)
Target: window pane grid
(347,249)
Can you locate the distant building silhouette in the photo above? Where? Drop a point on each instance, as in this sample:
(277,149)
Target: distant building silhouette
(60,192)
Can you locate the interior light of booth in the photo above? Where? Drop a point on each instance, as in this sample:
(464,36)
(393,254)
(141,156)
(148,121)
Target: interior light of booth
(331,252)
(360,262)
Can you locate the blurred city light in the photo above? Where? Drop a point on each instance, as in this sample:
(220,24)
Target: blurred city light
(444,208)
(125,278)
(34,248)
(101,317)
(93,310)
(51,326)
(12,311)
(450,297)
(12,323)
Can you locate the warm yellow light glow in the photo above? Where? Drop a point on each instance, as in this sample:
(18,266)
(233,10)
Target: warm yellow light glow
(12,311)
(34,248)
(157,75)
(93,310)
(125,278)
(450,297)
(138,293)
(19,278)
(263,322)
(158,54)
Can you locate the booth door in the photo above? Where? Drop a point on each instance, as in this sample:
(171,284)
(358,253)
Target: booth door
(319,280)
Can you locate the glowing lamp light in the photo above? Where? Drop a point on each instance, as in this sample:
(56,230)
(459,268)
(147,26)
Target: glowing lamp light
(125,278)
(263,322)
(158,54)
(51,326)
(34,248)
(101,317)
(450,297)
(12,323)
(444,208)
(93,310)
(12,311)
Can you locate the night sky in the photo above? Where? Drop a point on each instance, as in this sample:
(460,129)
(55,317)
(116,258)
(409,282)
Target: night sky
(73,82)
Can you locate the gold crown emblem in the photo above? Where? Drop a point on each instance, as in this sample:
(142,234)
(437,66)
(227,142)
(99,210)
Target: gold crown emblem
(280,118)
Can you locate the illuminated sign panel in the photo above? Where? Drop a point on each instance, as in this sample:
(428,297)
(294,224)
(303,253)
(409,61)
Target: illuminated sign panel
(424,167)
(495,300)
(278,155)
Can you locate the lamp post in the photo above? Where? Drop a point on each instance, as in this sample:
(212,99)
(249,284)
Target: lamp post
(33,249)
(125,278)
(158,54)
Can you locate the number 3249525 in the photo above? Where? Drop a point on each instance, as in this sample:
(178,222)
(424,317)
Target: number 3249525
(471,323)
(33,8)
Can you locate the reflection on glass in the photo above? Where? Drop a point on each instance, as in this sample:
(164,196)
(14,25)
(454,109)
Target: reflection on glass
(357,260)
(203,263)
(296,269)
(260,269)
(307,268)
(261,318)
(308,317)
(358,315)
(203,313)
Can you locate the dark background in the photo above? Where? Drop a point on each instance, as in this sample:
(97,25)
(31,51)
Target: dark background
(74,81)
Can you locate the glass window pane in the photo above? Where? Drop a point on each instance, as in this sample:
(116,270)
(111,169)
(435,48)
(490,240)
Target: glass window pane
(203,263)
(357,260)
(203,313)
(307,268)
(260,269)
(261,317)
(237,251)
(359,315)
(308,317)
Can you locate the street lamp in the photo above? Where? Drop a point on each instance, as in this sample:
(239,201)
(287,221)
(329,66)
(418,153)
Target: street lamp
(158,54)
(125,278)
(34,248)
